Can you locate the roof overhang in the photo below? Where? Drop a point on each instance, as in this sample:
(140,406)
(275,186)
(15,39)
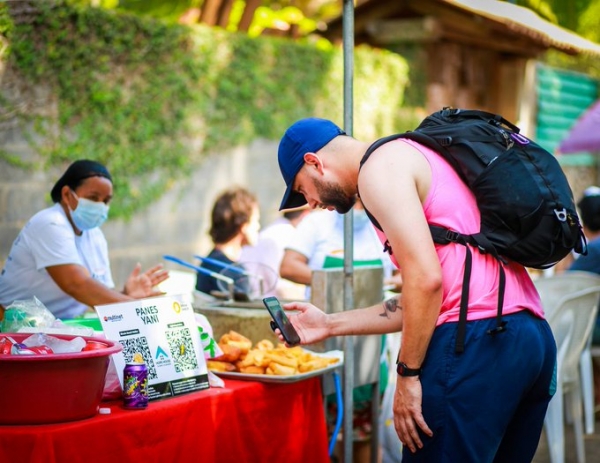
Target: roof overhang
(492,24)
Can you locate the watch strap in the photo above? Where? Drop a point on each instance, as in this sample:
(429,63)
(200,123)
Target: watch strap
(403,370)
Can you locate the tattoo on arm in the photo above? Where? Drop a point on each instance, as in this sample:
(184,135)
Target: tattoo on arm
(391,305)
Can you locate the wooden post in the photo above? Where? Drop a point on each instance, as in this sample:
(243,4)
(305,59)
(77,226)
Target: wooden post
(210,11)
(224,13)
(248,15)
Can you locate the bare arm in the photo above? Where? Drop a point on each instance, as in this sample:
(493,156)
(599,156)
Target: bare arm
(394,185)
(294,267)
(313,325)
(385,317)
(76,281)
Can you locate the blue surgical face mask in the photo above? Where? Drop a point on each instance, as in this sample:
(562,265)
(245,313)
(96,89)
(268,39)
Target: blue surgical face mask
(88,214)
(360,218)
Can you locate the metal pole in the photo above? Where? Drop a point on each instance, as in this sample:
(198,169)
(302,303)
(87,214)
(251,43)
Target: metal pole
(348,53)
(375,406)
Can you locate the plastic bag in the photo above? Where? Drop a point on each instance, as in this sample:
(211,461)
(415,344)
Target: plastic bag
(209,346)
(112,385)
(214,380)
(58,346)
(26,313)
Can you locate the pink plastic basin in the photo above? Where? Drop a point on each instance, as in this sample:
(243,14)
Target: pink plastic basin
(41,389)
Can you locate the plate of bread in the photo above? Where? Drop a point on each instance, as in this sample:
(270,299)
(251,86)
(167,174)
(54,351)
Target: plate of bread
(269,363)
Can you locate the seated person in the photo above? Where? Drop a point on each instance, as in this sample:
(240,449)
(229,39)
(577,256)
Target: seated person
(268,253)
(589,213)
(319,243)
(61,255)
(235,222)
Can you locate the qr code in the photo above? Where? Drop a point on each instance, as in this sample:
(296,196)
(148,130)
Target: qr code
(182,350)
(134,348)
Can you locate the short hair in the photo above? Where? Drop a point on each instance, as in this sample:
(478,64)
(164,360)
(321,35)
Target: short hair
(232,209)
(589,211)
(76,174)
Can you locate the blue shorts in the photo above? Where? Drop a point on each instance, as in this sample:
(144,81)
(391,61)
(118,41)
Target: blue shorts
(488,403)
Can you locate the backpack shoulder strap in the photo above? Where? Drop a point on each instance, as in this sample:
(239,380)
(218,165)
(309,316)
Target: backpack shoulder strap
(376,144)
(415,136)
(442,235)
(419,138)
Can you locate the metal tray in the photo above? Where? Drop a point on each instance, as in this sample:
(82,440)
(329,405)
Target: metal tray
(288,378)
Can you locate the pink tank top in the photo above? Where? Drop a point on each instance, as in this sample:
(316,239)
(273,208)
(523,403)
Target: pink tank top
(446,191)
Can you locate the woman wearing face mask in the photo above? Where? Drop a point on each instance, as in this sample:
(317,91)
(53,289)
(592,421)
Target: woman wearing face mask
(61,255)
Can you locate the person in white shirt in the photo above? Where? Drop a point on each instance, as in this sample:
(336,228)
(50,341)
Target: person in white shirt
(61,255)
(319,243)
(266,255)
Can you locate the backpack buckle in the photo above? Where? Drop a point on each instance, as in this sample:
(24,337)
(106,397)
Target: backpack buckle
(561,214)
(508,141)
(450,111)
(452,236)
(446,141)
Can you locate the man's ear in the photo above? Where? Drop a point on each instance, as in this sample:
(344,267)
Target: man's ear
(314,161)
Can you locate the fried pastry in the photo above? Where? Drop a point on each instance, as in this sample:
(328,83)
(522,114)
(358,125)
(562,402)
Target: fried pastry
(253,370)
(280,370)
(264,358)
(231,353)
(216,365)
(234,338)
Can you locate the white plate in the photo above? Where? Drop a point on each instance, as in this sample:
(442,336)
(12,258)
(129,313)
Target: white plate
(288,378)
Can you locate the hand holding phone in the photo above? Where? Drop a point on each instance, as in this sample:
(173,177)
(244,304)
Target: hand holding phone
(281,321)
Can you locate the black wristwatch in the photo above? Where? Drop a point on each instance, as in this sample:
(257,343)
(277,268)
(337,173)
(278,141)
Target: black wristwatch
(403,370)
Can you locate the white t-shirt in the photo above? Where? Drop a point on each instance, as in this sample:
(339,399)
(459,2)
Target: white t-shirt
(46,240)
(321,235)
(268,252)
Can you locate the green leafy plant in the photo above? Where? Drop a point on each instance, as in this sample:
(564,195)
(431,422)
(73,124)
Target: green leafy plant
(150,99)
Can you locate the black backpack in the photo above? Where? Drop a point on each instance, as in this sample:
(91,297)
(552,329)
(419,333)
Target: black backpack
(527,210)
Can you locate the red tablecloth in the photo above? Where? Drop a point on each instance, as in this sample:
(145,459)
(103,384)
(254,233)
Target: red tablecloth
(243,422)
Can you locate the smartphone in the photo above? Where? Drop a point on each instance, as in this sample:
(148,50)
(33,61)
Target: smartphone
(281,321)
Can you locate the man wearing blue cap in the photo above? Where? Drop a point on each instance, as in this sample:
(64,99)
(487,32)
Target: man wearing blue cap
(485,404)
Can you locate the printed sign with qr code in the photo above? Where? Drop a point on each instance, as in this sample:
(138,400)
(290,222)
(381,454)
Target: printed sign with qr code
(162,333)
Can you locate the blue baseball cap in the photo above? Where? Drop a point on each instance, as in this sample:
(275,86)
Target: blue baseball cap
(304,136)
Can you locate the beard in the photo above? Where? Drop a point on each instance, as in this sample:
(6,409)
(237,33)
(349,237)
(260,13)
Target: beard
(332,194)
